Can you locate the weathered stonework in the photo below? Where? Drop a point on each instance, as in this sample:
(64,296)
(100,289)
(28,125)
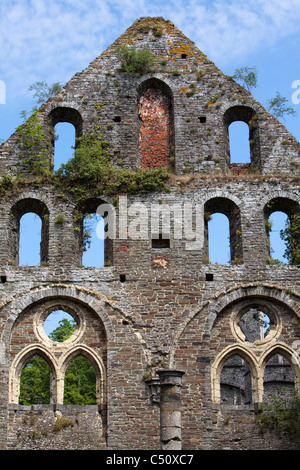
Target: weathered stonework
(157,306)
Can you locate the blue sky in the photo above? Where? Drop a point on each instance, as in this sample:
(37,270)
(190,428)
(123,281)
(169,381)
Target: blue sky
(51,41)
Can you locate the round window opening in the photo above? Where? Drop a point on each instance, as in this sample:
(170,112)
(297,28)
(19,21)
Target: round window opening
(255,324)
(59,325)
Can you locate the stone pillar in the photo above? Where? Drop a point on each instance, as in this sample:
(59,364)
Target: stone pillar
(170,409)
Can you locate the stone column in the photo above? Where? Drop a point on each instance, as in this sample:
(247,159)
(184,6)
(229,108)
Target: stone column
(170,409)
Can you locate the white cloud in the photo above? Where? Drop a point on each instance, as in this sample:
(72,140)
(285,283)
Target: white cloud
(42,40)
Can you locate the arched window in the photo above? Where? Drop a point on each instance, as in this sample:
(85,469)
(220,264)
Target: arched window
(218,239)
(35,382)
(239,142)
(30,239)
(93,241)
(241,129)
(64,142)
(223,236)
(276,223)
(66,125)
(80,382)
(278,377)
(235,381)
(155,105)
(282,220)
(29,232)
(97,233)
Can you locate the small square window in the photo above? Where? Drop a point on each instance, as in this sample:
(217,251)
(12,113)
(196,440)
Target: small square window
(209,277)
(160,242)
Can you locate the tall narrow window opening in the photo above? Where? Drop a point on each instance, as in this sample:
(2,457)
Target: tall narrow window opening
(30,240)
(80,382)
(64,141)
(66,124)
(97,233)
(282,230)
(35,382)
(28,232)
(218,239)
(278,378)
(239,142)
(276,224)
(93,241)
(222,232)
(156,136)
(241,126)
(236,381)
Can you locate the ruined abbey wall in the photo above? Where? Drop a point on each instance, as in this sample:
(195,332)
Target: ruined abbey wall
(158,305)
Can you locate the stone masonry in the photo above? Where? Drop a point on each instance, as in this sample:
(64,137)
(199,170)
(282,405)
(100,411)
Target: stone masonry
(178,363)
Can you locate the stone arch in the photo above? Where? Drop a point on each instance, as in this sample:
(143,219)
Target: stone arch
(56,354)
(219,362)
(101,208)
(97,364)
(57,291)
(231,210)
(20,208)
(222,300)
(19,362)
(284,204)
(248,115)
(270,292)
(64,114)
(156,115)
(290,354)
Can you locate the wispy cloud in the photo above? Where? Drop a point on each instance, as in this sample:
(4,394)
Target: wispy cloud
(42,40)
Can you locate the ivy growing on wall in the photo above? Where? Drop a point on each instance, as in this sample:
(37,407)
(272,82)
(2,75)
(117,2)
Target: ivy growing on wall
(89,173)
(31,137)
(280,415)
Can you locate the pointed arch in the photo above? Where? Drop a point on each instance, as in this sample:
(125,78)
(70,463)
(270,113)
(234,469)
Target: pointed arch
(97,363)
(219,362)
(289,354)
(19,363)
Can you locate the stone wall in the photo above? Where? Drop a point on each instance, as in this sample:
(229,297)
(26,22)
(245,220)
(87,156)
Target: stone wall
(159,305)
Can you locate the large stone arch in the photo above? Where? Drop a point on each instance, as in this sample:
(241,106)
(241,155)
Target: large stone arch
(219,362)
(221,300)
(37,204)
